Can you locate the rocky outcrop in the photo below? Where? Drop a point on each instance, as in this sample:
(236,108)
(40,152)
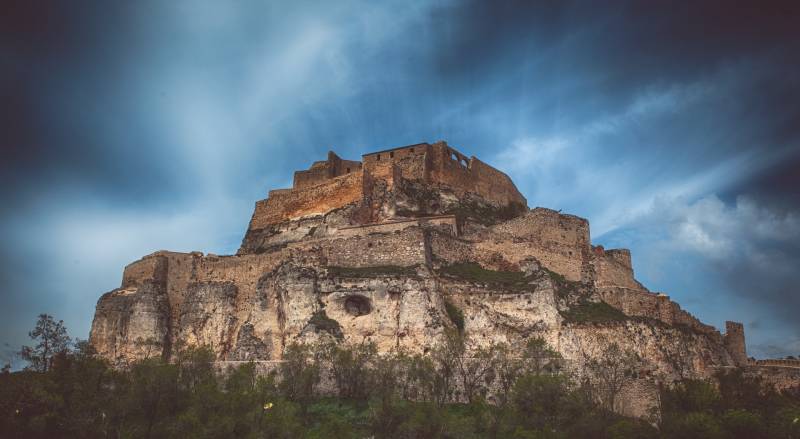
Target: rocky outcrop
(388,257)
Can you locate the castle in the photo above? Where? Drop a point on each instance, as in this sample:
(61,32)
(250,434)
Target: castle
(377,247)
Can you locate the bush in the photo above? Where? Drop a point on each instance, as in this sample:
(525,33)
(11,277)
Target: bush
(631,429)
(455,314)
(741,424)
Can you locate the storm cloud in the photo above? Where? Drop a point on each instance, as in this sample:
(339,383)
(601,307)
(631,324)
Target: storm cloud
(135,126)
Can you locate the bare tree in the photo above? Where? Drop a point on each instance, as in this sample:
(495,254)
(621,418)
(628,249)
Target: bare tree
(476,372)
(446,359)
(539,356)
(508,368)
(609,371)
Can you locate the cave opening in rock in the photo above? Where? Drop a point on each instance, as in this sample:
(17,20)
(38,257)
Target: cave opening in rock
(357,305)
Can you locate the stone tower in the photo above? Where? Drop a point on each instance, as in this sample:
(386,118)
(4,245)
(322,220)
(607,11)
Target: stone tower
(734,342)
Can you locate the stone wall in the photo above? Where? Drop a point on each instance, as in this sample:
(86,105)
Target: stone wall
(637,302)
(560,242)
(283,205)
(639,398)
(778,376)
(443,222)
(321,171)
(451,168)
(412,161)
(402,248)
(777,362)
(734,342)
(613,268)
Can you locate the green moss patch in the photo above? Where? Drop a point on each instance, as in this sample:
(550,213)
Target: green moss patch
(473,272)
(455,314)
(322,322)
(593,312)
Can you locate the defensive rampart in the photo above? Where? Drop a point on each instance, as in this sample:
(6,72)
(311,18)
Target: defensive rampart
(560,242)
(613,268)
(443,222)
(401,248)
(334,183)
(285,204)
(734,342)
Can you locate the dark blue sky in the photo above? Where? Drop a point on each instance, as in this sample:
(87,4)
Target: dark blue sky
(674,127)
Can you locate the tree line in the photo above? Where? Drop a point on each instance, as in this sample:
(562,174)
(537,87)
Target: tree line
(341,390)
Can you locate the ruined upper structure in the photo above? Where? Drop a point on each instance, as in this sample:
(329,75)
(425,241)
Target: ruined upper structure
(381,185)
(372,250)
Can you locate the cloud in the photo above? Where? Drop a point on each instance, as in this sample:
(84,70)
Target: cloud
(726,261)
(139,126)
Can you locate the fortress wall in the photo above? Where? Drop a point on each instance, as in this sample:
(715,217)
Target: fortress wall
(734,342)
(284,205)
(150,268)
(778,363)
(613,268)
(322,171)
(447,222)
(621,256)
(634,302)
(410,160)
(638,398)
(454,169)
(402,248)
(637,302)
(311,177)
(780,376)
(560,242)
(494,185)
(448,249)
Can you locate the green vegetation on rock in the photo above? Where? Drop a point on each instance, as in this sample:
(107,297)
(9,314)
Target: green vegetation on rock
(455,314)
(324,323)
(587,311)
(473,272)
(398,395)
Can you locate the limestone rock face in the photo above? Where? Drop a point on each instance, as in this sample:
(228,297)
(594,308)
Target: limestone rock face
(131,322)
(379,251)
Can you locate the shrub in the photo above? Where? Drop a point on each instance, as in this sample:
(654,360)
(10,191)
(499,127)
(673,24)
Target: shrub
(455,314)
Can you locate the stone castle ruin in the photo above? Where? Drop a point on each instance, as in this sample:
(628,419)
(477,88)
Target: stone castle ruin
(377,248)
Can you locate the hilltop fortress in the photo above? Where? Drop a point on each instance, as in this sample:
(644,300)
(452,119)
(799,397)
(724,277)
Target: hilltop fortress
(374,250)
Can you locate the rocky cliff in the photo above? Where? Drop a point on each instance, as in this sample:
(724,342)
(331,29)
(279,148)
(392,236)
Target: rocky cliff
(395,252)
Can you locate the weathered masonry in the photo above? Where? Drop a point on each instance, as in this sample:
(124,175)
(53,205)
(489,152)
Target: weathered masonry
(378,247)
